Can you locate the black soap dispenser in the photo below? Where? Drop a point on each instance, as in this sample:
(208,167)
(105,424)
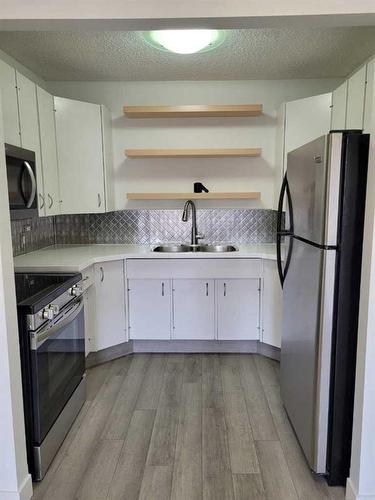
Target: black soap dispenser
(200,188)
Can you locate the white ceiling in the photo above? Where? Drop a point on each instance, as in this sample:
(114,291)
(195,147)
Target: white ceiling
(245,54)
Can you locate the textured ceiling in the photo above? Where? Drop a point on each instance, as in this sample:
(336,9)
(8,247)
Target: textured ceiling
(245,54)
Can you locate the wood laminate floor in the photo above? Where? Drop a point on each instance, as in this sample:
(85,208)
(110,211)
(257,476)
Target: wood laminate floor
(183,427)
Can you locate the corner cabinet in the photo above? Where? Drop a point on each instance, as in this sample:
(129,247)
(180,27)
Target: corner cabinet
(110,304)
(272,301)
(84,155)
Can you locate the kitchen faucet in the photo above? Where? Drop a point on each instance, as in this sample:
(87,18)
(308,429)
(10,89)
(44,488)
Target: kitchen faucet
(194,231)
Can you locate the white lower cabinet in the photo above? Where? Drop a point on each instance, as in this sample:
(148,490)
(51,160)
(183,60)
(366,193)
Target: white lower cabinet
(169,299)
(149,309)
(238,303)
(272,305)
(109,304)
(193,309)
(90,319)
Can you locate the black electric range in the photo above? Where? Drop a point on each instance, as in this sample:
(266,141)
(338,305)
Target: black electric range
(52,347)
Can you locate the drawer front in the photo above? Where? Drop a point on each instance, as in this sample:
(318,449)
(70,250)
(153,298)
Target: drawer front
(194,268)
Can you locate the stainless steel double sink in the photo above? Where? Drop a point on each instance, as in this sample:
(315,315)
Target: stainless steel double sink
(195,248)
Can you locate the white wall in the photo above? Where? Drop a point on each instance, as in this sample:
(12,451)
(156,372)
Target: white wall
(15,481)
(361,484)
(163,175)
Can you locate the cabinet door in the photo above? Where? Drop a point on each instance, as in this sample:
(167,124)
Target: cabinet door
(339,97)
(29,126)
(48,151)
(110,304)
(193,309)
(90,320)
(9,104)
(238,309)
(272,307)
(356,99)
(80,156)
(149,309)
(306,120)
(370,81)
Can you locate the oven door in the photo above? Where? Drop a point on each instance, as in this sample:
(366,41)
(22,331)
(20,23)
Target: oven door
(57,366)
(22,182)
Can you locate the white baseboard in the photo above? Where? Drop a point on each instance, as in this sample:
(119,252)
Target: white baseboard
(25,492)
(351,493)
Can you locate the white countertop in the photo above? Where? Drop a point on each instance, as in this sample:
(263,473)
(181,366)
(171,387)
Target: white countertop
(76,258)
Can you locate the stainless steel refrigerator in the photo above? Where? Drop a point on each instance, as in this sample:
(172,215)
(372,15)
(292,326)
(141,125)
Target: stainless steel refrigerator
(324,192)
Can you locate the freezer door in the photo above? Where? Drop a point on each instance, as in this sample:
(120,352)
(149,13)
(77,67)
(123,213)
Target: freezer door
(306,347)
(313,172)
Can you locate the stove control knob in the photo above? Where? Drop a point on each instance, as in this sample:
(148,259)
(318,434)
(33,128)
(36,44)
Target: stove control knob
(76,291)
(50,311)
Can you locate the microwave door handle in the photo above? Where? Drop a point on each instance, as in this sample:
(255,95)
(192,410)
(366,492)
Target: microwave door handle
(29,170)
(37,339)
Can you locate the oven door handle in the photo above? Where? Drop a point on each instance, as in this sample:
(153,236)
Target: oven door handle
(38,338)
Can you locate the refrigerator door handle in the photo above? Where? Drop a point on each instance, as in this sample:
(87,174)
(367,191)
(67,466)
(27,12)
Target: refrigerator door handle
(280,233)
(285,191)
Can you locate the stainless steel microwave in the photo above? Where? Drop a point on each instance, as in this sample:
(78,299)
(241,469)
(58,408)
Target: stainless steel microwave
(22,182)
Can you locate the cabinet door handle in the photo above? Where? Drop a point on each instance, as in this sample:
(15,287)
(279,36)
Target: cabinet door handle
(206,289)
(41,198)
(225,289)
(162,289)
(101,274)
(99,200)
(50,201)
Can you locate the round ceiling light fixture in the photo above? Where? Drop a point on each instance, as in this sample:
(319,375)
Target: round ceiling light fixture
(185,41)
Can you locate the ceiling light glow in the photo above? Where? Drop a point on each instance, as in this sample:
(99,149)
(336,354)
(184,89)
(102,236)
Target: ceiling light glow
(185,41)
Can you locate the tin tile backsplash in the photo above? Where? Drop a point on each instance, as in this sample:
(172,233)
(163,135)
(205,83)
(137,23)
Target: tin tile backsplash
(146,227)
(29,235)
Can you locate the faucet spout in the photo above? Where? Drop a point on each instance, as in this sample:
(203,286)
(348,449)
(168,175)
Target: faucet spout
(185,214)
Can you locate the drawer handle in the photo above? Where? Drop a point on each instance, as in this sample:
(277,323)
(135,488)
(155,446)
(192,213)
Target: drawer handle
(206,289)
(162,289)
(101,274)
(225,289)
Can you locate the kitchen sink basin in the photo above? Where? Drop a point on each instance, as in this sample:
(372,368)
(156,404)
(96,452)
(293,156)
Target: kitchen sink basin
(172,248)
(217,248)
(198,248)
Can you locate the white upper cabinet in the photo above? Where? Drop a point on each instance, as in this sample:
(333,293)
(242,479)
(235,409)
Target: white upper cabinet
(83,156)
(238,309)
(339,98)
(369,96)
(356,99)
(29,126)
(48,152)
(9,102)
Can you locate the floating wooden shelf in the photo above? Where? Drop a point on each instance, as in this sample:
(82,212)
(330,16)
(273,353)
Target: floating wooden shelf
(194,196)
(193,153)
(196,111)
